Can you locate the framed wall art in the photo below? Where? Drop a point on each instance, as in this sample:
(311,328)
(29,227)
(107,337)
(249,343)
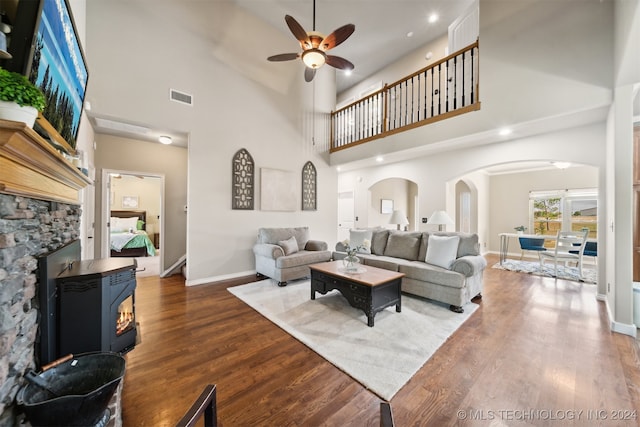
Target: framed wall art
(386,206)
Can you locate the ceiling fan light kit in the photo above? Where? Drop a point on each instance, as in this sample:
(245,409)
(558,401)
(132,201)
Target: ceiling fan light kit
(314,58)
(314,45)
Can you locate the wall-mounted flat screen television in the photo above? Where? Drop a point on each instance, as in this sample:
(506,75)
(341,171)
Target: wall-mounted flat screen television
(45,47)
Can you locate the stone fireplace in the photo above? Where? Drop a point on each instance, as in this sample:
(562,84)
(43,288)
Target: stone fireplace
(28,228)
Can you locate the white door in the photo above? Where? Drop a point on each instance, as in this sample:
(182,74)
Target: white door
(346,214)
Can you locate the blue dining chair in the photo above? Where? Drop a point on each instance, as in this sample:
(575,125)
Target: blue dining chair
(531,244)
(590,249)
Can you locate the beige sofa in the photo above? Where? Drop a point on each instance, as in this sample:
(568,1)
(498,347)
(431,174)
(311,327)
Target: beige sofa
(453,279)
(285,253)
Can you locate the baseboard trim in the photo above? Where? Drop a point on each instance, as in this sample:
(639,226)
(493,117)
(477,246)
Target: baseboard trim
(621,328)
(212,279)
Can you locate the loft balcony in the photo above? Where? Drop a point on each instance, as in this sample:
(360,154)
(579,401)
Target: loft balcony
(447,88)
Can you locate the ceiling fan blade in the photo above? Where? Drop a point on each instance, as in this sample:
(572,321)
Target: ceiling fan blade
(309,74)
(283,57)
(341,63)
(337,37)
(298,32)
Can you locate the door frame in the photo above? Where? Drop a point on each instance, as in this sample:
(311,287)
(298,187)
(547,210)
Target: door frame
(106,208)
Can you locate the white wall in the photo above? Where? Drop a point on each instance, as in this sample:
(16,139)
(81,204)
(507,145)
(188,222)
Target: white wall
(436,175)
(526,75)
(240,101)
(125,154)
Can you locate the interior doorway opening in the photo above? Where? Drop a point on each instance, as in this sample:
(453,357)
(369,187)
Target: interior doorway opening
(132,218)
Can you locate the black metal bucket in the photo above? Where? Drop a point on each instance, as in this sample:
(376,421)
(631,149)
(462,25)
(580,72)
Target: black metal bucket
(74,392)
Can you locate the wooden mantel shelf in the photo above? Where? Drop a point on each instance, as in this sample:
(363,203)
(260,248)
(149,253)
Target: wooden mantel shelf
(31,167)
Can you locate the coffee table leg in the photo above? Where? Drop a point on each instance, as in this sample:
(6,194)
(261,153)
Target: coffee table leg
(370,320)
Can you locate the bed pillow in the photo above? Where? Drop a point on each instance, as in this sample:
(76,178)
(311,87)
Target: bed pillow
(442,250)
(140,225)
(120,225)
(129,223)
(289,246)
(114,224)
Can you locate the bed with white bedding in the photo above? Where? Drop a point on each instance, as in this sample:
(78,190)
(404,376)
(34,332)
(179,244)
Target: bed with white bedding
(128,236)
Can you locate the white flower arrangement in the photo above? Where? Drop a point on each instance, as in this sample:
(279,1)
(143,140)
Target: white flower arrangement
(351,252)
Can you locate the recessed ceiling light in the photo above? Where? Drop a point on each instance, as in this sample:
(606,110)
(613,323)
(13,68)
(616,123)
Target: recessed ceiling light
(504,132)
(561,165)
(166,140)
(410,34)
(379,159)
(347,73)
(433,18)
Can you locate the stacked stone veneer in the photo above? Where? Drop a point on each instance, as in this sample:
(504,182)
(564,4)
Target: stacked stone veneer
(28,229)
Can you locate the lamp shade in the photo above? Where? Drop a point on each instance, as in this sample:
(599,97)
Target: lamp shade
(440,218)
(398,217)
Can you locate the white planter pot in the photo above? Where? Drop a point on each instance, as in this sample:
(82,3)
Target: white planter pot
(12,111)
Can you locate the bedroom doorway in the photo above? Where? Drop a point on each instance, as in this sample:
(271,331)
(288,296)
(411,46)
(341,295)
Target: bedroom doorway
(132,218)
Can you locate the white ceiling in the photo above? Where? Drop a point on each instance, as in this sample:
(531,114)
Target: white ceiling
(381,31)
(380,38)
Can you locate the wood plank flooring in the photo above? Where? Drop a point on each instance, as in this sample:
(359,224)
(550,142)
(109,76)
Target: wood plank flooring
(536,351)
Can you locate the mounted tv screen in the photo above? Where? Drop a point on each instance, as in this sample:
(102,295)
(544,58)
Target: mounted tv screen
(47,50)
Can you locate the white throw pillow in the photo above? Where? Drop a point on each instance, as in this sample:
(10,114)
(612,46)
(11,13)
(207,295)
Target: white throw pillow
(442,250)
(358,238)
(289,246)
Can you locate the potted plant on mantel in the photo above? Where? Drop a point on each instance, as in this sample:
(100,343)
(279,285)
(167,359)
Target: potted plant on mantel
(20,100)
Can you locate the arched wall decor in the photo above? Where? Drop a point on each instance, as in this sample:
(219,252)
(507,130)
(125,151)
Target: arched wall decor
(242,180)
(309,187)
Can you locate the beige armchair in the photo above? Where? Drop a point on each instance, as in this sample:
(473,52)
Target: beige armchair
(284,254)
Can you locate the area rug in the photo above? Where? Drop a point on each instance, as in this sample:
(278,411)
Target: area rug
(381,358)
(548,270)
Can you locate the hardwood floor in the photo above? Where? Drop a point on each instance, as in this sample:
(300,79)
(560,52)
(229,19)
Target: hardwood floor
(537,351)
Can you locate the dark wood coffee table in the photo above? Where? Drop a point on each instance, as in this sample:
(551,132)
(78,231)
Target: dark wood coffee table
(371,289)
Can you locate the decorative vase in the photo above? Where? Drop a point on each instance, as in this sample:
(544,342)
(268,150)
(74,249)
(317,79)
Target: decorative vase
(351,263)
(16,113)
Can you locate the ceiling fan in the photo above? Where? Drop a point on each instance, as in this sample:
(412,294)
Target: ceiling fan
(315,45)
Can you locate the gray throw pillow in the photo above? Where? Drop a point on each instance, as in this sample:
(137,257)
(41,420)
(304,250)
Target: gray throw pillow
(289,246)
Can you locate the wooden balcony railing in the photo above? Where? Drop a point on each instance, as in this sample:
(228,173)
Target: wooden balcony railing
(447,88)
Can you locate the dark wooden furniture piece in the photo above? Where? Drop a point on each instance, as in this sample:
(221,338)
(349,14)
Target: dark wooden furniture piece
(386,415)
(205,404)
(131,252)
(371,290)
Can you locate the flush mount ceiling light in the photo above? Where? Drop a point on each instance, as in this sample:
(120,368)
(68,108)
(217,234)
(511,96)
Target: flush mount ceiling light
(561,165)
(379,159)
(166,140)
(433,18)
(504,132)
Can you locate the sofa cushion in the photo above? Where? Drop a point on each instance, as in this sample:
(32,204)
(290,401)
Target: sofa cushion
(402,244)
(442,250)
(302,258)
(360,239)
(379,241)
(289,246)
(386,263)
(433,274)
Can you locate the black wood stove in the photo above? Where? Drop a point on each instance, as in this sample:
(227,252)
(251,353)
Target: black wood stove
(96,306)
